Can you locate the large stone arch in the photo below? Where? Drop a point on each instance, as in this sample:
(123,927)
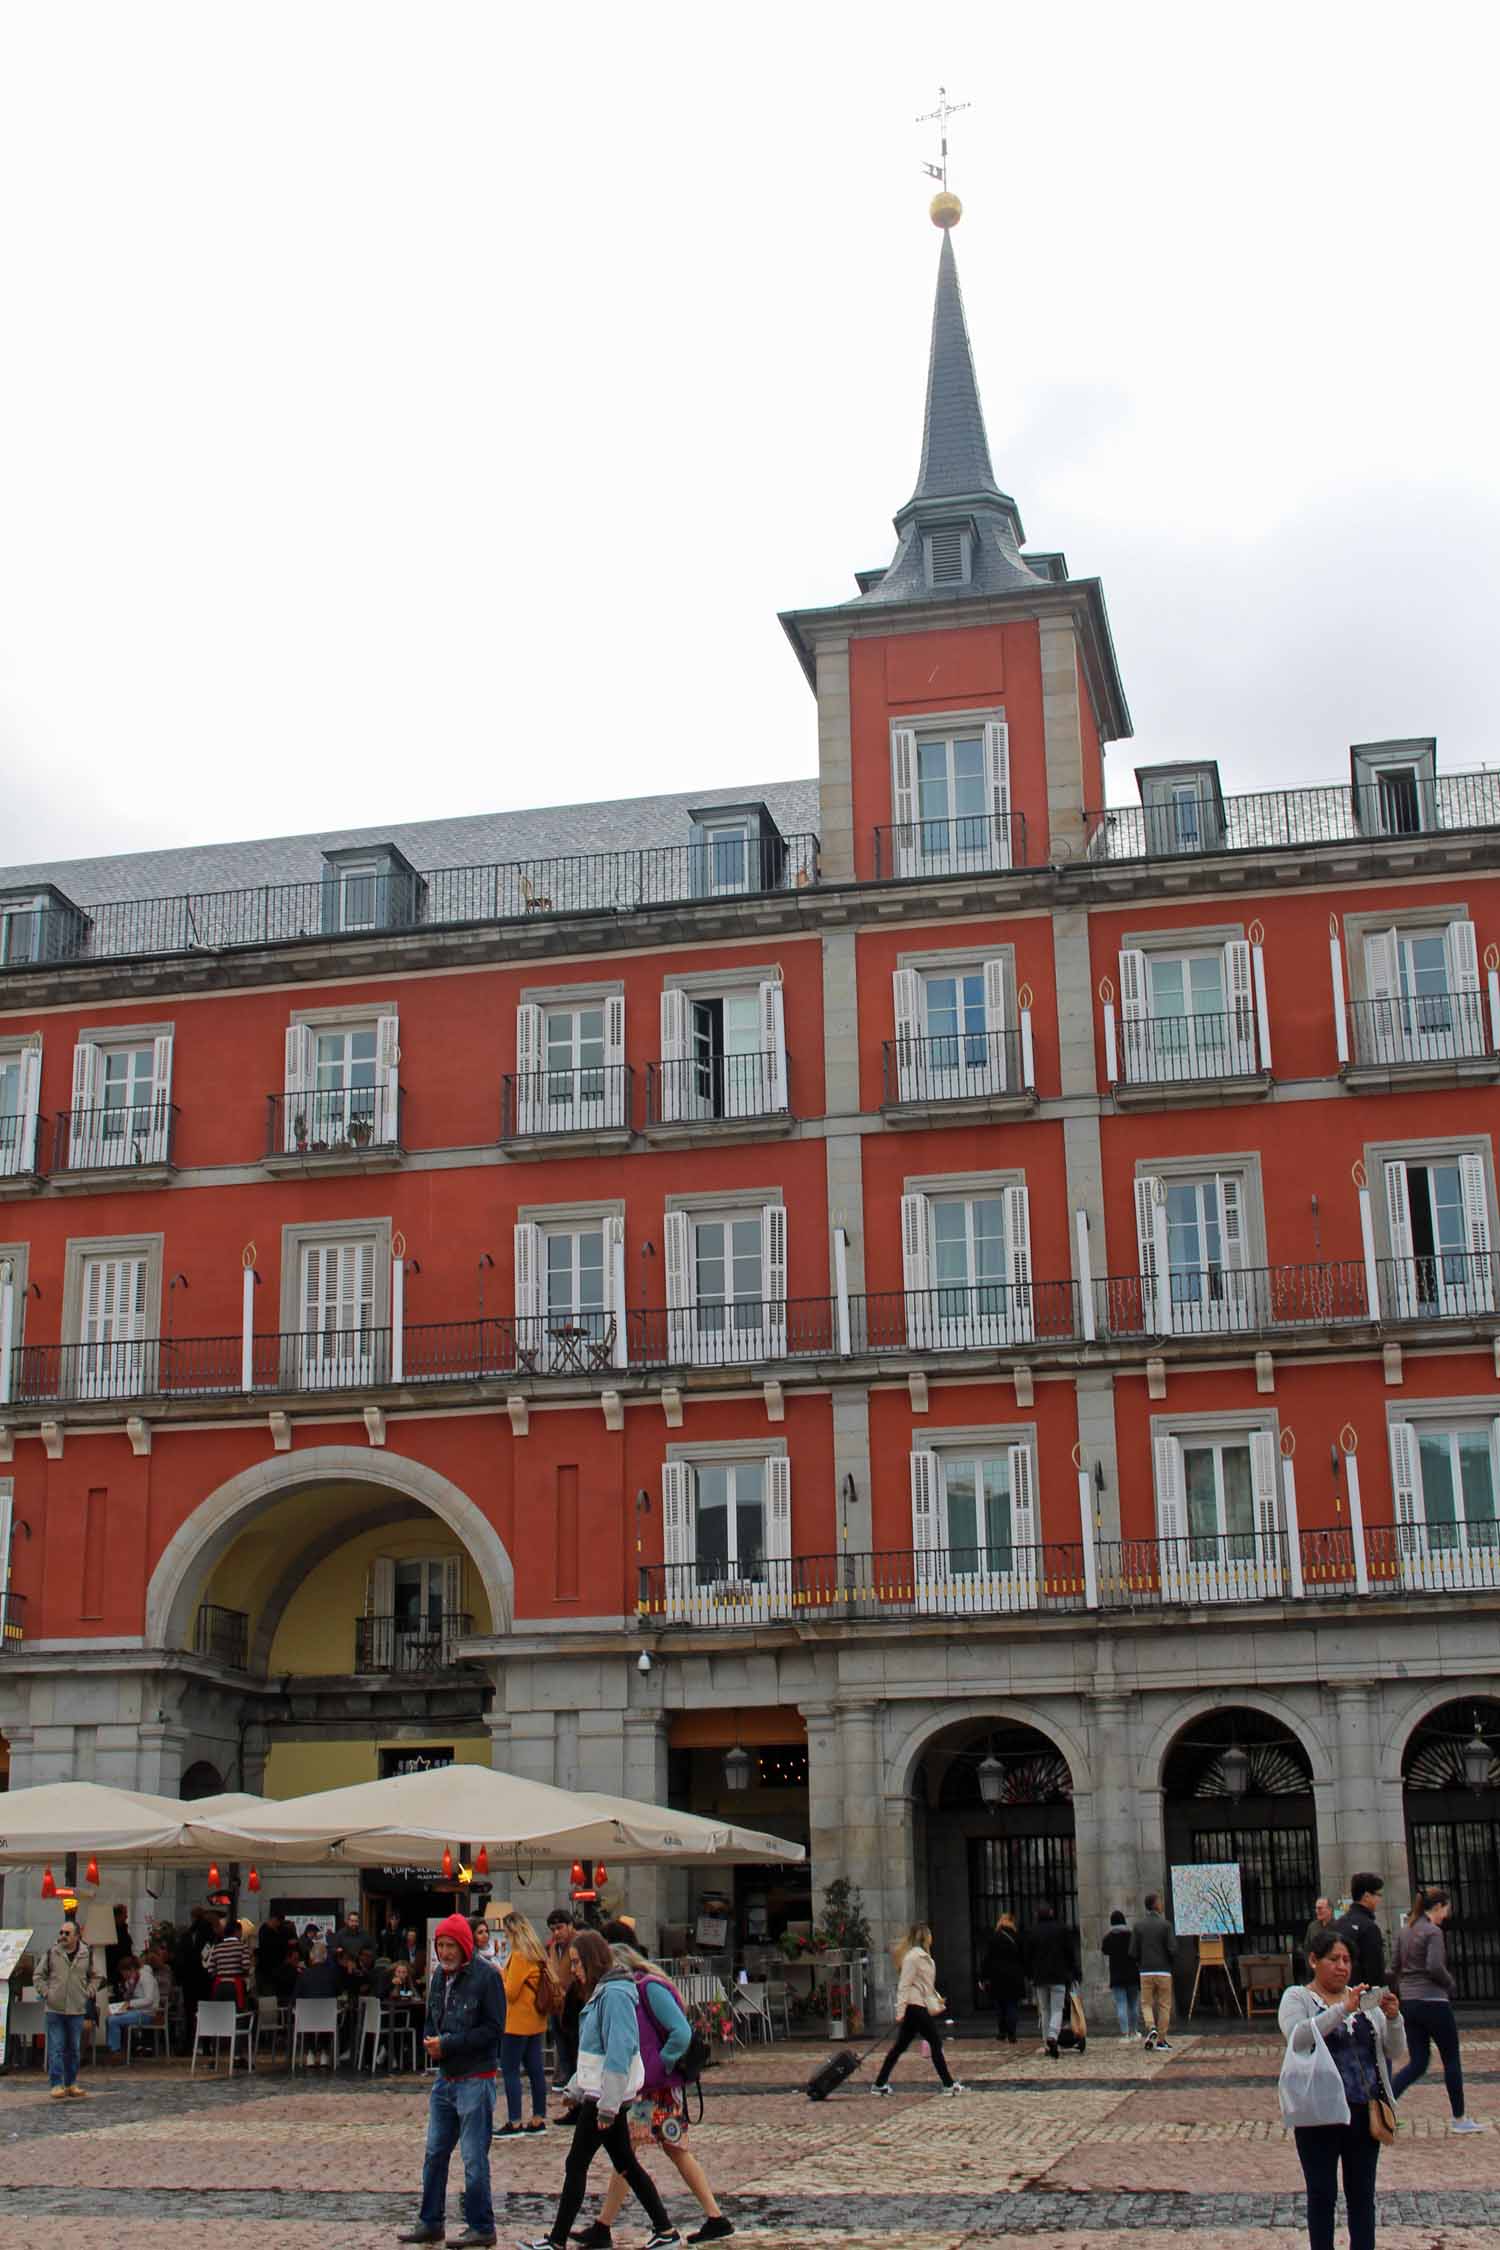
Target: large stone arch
(1182,1714)
(974,1711)
(1407,1704)
(217,1521)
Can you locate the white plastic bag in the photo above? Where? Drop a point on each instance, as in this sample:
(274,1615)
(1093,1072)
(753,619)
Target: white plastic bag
(1310,2088)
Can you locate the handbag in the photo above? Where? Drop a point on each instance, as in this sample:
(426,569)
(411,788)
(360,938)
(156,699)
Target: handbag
(1077,2018)
(1310,2090)
(1382,2118)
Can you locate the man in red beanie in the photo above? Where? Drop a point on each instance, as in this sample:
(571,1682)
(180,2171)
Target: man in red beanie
(465,2020)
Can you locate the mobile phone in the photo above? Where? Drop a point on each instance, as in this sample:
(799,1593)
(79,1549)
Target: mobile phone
(1370,2000)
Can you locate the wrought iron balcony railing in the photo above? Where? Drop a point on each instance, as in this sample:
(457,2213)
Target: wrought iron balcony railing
(957,1582)
(974,844)
(1434,1558)
(113,1139)
(1212,1567)
(964,1317)
(437,898)
(1225,1300)
(334,1120)
(1426,1027)
(955,1066)
(1182,1050)
(409,1644)
(1282,819)
(19,1144)
(709,1089)
(223,1635)
(12,1619)
(536,1103)
(1445,1285)
(743,1332)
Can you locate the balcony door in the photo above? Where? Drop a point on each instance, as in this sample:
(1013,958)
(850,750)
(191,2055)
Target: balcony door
(1219,1515)
(1438,1219)
(1203,1221)
(1446,1480)
(112,1330)
(1424,1002)
(727,1538)
(337,1344)
(974,1530)
(344,1094)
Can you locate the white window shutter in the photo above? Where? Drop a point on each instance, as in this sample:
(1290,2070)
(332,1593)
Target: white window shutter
(615,1109)
(773,1272)
(678,1543)
(530,1039)
(1021,1312)
(916,1270)
(997,782)
(904,791)
(1478,1285)
(314,1258)
(83,1135)
(778,1510)
(364,1285)
(1462,948)
(996,1021)
(528,1268)
(676,1046)
(1232,1218)
(1239,995)
(773,1041)
(298,1081)
(1171,1501)
(1023,1508)
(906,990)
(1134,1028)
(614,1285)
(1406,1487)
(93,1299)
(925,1532)
(380,1587)
(387,1080)
(1382,1038)
(85,1067)
(1150,1231)
(161,1070)
(1265,1482)
(31,1106)
(1398,1225)
(682,1289)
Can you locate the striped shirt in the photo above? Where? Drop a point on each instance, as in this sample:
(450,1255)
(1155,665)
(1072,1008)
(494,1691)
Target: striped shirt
(229,1958)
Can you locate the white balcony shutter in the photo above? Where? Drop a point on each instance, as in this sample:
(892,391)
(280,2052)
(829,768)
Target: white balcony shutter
(1151,1245)
(159,1130)
(96,1287)
(357,1287)
(1398,1224)
(678,1542)
(1232,1218)
(926,1536)
(297,1084)
(31,1104)
(387,1079)
(1380,965)
(1023,1505)
(85,1074)
(773,1275)
(614,1060)
(997,783)
(1462,949)
(906,988)
(83,1124)
(1171,1502)
(614,1284)
(778,1509)
(1406,1487)
(380,1587)
(529,1253)
(530,1038)
(904,797)
(682,1284)
(996,1021)
(675,1049)
(1479,1281)
(314,1257)
(773,1040)
(1239,994)
(1134,1028)
(1264,1482)
(1022,1310)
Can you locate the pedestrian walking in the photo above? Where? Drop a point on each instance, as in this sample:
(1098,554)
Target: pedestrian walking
(1054,1965)
(66,1981)
(1124,1975)
(1339,2117)
(1322,1918)
(1002,1972)
(610,2073)
(525,2025)
(1425,1987)
(465,2024)
(919,2010)
(1361,1932)
(1153,1948)
(561,1930)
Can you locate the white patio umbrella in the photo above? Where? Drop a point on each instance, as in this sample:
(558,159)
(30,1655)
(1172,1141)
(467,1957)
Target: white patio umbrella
(88,1817)
(413,1816)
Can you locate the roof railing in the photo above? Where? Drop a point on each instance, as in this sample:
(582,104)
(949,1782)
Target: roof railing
(1190,825)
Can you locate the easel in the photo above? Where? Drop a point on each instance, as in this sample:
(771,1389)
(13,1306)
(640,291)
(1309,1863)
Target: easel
(1211,1956)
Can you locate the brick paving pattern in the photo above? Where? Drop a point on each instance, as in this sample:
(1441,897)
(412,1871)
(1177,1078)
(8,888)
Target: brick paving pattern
(1075,2154)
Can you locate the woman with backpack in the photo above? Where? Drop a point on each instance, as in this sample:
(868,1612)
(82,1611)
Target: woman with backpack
(659,2113)
(1424,1982)
(610,2074)
(521,2047)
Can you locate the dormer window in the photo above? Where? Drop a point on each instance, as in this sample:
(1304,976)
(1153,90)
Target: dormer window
(373,887)
(948,547)
(1395,787)
(735,849)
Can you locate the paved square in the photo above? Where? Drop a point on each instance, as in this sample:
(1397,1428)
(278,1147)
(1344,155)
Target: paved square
(1077,2154)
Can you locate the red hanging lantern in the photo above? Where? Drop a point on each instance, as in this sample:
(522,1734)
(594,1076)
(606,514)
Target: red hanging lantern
(447,1862)
(601,1875)
(91,1872)
(578,1874)
(213,1874)
(49,1887)
(482,1862)
(252,1881)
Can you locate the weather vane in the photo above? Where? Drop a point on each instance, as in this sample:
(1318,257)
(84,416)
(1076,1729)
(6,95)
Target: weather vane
(939,117)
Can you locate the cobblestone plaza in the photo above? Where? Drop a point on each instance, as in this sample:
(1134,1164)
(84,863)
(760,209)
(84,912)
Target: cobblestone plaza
(1076,2153)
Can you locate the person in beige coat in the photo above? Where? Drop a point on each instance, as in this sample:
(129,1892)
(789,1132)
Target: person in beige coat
(919,2010)
(66,1981)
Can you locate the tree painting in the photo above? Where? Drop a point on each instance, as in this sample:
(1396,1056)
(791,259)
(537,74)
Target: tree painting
(1206,1900)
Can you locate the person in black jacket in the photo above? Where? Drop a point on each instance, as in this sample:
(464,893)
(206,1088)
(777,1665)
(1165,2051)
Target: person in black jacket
(465,2022)
(1002,1972)
(1362,1933)
(1124,1975)
(1053,1964)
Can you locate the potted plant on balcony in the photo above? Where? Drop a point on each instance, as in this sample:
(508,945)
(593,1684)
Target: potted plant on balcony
(360,1131)
(299,1133)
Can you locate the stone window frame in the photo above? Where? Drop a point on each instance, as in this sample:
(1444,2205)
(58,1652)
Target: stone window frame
(968,1436)
(708,1202)
(296,1235)
(1426,1149)
(941,726)
(545,996)
(1429,915)
(1247,1163)
(358,1012)
(1203,937)
(942,1184)
(121,1034)
(19,1254)
(729,1449)
(952,958)
(80,1247)
(1205,1422)
(708,984)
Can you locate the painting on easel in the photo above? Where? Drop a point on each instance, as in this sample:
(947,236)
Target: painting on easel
(1207,1901)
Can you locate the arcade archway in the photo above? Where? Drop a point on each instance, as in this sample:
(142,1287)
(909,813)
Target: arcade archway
(1237,1785)
(1450,1778)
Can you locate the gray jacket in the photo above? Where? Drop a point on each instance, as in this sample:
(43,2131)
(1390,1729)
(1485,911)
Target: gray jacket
(1302,2005)
(1153,1944)
(1419,1965)
(66,1980)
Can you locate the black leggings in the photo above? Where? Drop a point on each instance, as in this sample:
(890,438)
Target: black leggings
(916,2023)
(1429,2024)
(588,2138)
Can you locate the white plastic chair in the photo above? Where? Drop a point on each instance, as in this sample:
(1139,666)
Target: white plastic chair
(404,2031)
(749,2004)
(270,2023)
(314,2019)
(372,2031)
(154,2032)
(219,2020)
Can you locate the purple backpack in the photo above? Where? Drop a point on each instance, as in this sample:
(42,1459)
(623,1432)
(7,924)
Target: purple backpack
(658,2076)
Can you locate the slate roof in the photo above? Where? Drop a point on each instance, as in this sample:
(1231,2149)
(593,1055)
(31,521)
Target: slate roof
(618,824)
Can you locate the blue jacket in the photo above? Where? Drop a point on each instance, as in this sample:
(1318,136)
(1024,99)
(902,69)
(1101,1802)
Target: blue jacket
(467,2012)
(608,2028)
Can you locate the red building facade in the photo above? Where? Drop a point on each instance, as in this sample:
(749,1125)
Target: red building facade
(984,1302)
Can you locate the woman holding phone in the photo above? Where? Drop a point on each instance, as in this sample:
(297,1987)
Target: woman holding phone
(1363,2041)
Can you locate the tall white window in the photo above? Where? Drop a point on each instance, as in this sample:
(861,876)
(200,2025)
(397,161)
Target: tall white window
(1424,1002)
(1438,1219)
(1218,1514)
(121,1110)
(570,1075)
(1190,1233)
(342,1088)
(966,1261)
(727,1525)
(338,1341)
(359,895)
(953,1032)
(727,1285)
(1446,1477)
(722,1054)
(413,1606)
(1187,1015)
(950,797)
(570,1280)
(21,928)
(726,845)
(112,1327)
(974,1535)
(20,1082)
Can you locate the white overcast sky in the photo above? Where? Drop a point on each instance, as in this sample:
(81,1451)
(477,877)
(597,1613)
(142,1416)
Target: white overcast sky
(422,410)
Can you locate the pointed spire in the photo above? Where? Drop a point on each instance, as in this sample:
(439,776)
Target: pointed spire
(955,451)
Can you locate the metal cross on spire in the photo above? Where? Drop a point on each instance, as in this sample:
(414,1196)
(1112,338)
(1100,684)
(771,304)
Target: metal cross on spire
(939,117)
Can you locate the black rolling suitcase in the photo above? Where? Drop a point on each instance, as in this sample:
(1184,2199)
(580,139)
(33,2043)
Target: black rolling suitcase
(829,2076)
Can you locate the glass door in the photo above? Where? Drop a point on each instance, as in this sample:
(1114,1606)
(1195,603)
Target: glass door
(125,1128)
(1207,1288)
(956,1057)
(953,811)
(12,1115)
(1424,1002)
(1228,1555)
(576,1338)
(1458,1541)
(576,1089)
(1188,1028)
(345,1099)
(970,1293)
(731,1316)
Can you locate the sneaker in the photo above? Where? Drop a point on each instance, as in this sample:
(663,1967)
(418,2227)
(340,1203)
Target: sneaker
(537,2125)
(957,2087)
(57,2092)
(510,2131)
(713,2230)
(1163,2046)
(1148,2040)
(1052,2049)
(880,2089)
(664,2240)
(1467,2125)
(76,2093)
(540,2242)
(596,2236)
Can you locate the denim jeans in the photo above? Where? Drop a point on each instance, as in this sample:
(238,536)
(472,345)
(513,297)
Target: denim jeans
(1127,2000)
(522,2050)
(1429,2024)
(1322,2148)
(1051,2001)
(117,2026)
(462,2111)
(64,2048)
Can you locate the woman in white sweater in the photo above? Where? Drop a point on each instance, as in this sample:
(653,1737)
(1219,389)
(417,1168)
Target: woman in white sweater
(1363,2043)
(919,2009)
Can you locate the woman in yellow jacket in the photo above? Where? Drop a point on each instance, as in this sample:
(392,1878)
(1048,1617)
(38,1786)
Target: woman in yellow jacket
(525,2023)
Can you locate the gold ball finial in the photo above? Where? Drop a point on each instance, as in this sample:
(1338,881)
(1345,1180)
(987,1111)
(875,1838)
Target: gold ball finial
(945,210)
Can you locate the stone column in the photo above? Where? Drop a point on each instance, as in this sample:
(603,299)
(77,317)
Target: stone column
(825,1795)
(1108,1868)
(835,763)
(1363,1827)
(647,1889)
